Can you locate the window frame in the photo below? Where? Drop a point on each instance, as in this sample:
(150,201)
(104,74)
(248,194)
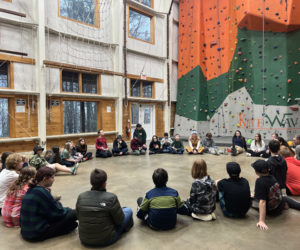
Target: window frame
(99,91)
(151,3)
(98,105)
(152,24)
(10,75)
(96,15)
(141,88)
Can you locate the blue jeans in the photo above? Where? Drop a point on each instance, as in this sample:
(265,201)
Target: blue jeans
(124,227)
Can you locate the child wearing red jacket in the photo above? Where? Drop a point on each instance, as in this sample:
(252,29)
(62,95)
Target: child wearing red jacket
(101,146)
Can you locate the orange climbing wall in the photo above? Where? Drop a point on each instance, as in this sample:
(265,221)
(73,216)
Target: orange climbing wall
(208,29)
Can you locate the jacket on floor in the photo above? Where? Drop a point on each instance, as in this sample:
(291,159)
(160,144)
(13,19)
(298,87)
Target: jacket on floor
(202,196)
(98,213)
(161,205)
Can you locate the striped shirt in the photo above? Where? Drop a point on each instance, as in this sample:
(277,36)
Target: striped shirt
(162,205)
(12,206)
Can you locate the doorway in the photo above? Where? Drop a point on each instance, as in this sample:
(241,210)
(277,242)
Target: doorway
(145,115)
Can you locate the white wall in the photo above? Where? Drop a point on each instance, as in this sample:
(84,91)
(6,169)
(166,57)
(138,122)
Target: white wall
(24,77)
(17,38)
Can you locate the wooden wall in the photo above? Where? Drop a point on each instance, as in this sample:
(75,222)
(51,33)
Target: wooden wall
(107,115)
(159,120)
(20,146)
(90,140)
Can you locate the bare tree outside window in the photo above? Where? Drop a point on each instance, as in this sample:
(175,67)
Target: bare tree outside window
(145,2)
(139,26)
(3,74)
(4,118)
(79,117)
(80,10)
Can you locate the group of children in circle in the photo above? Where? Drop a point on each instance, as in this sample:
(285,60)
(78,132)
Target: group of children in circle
(26,199)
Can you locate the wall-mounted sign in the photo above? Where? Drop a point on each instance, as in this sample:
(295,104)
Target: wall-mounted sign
(54,103)
(108,109)
(20,109)
(20,102)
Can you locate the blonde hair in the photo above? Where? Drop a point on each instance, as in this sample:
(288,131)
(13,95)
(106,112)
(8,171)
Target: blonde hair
(68,146)
(284,152)
(26,174)
(199,169)
(12,161)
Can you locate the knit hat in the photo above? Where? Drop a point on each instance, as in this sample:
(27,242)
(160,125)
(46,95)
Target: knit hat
(194,132)
(37,148)
(233,169)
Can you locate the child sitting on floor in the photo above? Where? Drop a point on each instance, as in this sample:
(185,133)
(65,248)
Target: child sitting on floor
(209,144)
(234,192)
(38,161)
(161,204)
(177,146)
(101,146)
(155,147)
(81,148)
(119,147)
(166,142)
(202,201)
(137,146)
(66,155)
(268,194)
(194,146)
(12,204)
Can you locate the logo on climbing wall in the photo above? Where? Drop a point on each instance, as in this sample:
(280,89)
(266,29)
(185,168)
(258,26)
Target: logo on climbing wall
(284,121)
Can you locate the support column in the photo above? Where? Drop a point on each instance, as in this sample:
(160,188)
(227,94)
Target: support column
(40,70)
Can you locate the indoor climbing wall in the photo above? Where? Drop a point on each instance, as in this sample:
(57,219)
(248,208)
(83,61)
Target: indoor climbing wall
(238,67)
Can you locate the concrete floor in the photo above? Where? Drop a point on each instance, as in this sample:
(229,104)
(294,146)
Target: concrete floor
(130,177)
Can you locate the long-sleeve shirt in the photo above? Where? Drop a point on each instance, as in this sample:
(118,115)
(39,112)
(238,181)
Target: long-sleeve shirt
(101,143)
(256,147)
(141,134)
(177,144)
(7,178)
(194,142)
(164,140)
(119,146)
(239,141)
(12,207)
(152,145)
(208,143)
(38,210)
(162,205)
(135,144)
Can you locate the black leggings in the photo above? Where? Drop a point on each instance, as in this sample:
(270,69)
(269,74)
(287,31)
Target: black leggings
(103,153)
(291,202)
(88,155)
(64,226)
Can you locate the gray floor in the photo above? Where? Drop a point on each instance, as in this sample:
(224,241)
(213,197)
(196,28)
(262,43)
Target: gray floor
(130,176)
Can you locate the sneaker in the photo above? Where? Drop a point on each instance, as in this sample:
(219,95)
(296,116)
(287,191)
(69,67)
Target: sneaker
(248,154)
(214,217)
(74,169)
(204,217)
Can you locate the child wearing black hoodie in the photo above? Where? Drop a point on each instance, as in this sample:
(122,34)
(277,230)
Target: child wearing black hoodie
(155,146)
(277,164)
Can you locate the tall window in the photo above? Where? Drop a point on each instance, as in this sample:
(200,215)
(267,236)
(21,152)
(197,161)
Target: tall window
(70,81)
(4,118)
(141,88)
(89,83)
(140,25)
(145,2)
(79,117)
(85,11)
(3,74)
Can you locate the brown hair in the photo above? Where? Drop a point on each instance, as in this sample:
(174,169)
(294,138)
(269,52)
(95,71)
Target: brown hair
(284,152)
(67,146)
(43,172)
(199,169)
(98,178)
(26,174)
(12,161)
